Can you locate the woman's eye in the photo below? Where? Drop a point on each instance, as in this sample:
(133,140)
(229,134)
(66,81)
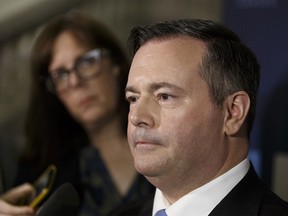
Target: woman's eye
(60,74)
(86,62)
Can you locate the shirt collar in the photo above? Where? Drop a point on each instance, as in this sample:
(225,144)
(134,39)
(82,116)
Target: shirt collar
(196,202)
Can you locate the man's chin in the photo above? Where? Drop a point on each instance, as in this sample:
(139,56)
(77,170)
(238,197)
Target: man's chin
(145,168)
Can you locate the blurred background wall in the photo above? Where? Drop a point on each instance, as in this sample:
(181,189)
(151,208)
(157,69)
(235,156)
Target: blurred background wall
(260,23)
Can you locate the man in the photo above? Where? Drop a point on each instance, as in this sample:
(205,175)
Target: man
(192,91)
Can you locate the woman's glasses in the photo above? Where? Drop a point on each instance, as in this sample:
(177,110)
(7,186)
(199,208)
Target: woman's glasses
(85,67)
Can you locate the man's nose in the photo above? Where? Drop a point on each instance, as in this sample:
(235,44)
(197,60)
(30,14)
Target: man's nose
(143,113)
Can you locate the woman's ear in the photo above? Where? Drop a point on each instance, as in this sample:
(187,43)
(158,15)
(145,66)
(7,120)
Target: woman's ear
(237,107)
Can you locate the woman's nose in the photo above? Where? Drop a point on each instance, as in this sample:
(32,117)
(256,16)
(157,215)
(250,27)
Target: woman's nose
(74,79)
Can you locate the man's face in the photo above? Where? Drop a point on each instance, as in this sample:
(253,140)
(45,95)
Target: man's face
(174,128)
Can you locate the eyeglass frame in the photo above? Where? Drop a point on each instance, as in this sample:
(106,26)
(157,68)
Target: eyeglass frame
(97,53)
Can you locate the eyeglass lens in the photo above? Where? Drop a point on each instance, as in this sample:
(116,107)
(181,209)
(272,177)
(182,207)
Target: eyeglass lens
(85,67)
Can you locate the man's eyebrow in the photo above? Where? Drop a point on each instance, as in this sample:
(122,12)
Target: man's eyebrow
(130,89)
(153,87)
(156,86)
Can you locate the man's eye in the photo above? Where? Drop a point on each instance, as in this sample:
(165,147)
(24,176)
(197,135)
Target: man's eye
(164,96)
(131,99)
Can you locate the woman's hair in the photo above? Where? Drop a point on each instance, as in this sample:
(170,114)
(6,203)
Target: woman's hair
(50,130)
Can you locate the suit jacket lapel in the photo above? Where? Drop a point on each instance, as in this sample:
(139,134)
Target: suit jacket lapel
(244,199)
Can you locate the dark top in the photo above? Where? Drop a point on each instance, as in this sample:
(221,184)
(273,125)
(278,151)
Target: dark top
(8,163)
(248,198)
(100,193)
(67,171)
(85,170)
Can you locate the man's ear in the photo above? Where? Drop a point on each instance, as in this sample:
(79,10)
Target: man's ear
(237,107)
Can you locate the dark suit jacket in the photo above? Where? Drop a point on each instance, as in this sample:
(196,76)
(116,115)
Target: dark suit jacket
(248,197)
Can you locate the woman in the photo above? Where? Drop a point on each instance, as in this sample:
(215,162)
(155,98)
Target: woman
(77,116)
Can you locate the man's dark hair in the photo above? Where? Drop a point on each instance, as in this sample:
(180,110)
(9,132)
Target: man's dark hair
(227,66)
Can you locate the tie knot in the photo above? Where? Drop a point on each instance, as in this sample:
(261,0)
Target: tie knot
(161,213)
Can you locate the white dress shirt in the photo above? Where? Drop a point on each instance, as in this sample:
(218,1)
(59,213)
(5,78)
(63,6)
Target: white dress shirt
(201,201)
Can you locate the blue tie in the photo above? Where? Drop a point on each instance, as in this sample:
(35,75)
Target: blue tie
(161,213)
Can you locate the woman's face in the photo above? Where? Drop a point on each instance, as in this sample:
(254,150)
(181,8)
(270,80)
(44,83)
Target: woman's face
(90,101)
